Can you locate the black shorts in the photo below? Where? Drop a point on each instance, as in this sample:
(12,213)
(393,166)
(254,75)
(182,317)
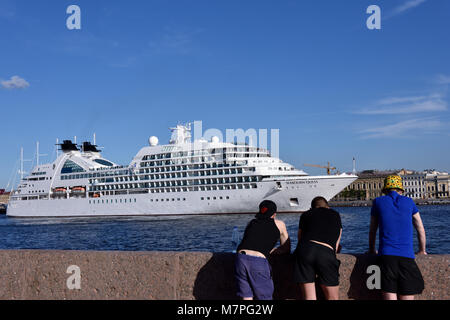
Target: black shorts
(313,260)
(400,275)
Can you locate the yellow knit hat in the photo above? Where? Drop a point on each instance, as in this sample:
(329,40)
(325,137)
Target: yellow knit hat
(393,182)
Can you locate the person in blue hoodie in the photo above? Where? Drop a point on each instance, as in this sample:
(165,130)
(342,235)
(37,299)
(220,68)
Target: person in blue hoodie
(395,216)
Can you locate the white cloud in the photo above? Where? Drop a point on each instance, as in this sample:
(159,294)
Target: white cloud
(392,100)
(443,79)
(15,82)
(174,40)
(406,6)
(403,129)
(406,105)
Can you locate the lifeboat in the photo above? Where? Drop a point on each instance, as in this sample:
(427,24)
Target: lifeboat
(96,195)
(78,189)
(60,190)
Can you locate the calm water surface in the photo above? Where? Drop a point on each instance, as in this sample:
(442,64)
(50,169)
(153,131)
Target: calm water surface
(199,233)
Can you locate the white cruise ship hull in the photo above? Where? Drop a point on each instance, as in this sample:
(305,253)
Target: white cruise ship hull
(290,196)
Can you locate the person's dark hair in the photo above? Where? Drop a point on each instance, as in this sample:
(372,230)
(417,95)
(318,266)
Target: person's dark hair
(387,191)
(319,202)
(267,209)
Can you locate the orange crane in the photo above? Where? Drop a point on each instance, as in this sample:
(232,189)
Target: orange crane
(329,168)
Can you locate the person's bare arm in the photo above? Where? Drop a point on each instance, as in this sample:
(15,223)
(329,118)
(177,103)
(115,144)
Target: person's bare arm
(285,241)
(373,234)
(417,222)
(338,249)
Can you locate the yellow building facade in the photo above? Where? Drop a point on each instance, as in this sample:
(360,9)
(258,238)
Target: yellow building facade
(417,185)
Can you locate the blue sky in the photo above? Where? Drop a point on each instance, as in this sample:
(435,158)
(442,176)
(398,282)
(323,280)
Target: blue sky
(312,69)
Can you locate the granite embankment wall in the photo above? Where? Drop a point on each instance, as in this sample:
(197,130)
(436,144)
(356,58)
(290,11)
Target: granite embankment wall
(176,275)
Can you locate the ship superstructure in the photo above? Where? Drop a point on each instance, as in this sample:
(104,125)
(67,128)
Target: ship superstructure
(182,177)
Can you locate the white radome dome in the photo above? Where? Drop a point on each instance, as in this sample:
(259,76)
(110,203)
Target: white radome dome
(153,141)
(215,139)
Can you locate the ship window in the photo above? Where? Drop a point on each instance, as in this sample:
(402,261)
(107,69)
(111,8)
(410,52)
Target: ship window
(71,167)
(104,162)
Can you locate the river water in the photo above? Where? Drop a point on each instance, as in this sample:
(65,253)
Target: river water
(197,233)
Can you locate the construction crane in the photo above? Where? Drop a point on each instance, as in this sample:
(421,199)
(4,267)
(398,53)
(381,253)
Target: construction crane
(329,168)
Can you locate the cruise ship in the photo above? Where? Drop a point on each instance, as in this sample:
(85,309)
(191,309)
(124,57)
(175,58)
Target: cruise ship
(183,177)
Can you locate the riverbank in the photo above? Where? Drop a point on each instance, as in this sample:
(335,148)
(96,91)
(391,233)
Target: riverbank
(101,275)
(368,203)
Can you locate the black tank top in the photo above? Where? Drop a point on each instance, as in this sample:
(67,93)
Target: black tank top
(260,235)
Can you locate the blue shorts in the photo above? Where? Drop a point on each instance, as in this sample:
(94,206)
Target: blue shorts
(253,277)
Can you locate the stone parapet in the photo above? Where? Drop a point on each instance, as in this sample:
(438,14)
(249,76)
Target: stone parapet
(26,274)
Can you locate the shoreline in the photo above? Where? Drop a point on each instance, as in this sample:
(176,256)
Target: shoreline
(356,203)
(368,203)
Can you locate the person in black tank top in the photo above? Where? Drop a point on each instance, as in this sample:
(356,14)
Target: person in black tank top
(319,235)
(252,270)
(261,234)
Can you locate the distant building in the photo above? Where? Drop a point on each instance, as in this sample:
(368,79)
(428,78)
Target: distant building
(415,184)
(368,186)
(4,198)
(429,184)
(437,184)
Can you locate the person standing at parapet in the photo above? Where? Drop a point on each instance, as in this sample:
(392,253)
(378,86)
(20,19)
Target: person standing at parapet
(252,270)
(319,234)
(395,215)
